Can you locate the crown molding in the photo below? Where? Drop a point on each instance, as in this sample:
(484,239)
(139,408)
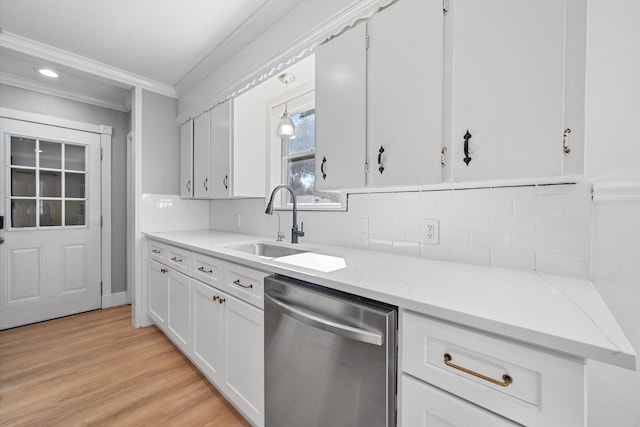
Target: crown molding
(25,83)
(64,58)
(356,12)
(54,121)
(616,191)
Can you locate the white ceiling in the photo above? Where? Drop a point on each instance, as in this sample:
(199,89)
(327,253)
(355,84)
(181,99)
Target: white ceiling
(159,41)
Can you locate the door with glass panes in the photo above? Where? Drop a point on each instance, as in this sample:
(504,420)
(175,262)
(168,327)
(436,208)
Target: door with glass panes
(50,261)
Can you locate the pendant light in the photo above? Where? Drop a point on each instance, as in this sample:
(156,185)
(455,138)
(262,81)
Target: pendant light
(286,129)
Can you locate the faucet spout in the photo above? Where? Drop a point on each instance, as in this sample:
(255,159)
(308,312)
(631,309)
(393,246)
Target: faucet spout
(269,211)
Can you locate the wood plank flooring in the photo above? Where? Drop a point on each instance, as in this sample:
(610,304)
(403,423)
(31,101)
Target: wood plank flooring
(96,369)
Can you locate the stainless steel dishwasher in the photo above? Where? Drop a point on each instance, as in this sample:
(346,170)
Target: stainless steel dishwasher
(330,357)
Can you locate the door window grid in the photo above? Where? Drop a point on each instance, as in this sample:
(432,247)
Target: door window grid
(52,197)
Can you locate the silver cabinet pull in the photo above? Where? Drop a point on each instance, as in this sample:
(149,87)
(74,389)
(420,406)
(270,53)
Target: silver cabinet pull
(206,187)
(205,271)
(163,270)
(155,251)
(189,186)
(328,325)
(176,259)
(237,283)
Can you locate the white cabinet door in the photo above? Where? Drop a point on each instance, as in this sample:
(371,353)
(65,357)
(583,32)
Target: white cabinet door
(202,156)
(207,330)
(221,140)
(427,406)
(244,356)
(506,64)
(179,309)
(186,160)
(341,75)
(158,293)
(405,94)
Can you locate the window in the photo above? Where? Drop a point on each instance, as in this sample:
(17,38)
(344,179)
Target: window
(47,183)
(297,156)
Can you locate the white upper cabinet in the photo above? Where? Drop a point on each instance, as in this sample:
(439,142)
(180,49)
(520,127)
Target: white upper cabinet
(221,140)
(186,160)
(341,89)
(514,73)
(405,94)
(202,156)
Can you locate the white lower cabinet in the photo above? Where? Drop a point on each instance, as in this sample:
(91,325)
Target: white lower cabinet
(527,385)
(222,334)
(428,406)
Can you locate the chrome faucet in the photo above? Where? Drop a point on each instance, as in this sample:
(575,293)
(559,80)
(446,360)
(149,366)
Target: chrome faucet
(294,229)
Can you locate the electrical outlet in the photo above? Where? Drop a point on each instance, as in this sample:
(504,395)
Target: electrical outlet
(431,229)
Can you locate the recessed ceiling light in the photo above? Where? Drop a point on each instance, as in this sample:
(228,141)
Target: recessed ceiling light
(48,72)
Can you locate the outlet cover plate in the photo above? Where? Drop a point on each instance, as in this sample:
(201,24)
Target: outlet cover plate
(431,231)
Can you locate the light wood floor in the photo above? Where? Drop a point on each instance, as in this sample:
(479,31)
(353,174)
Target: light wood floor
(96,369)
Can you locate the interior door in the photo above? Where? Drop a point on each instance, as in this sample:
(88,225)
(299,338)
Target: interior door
(50,261)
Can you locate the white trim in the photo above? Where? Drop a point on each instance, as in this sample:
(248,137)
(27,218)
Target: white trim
(616,191)
(53,121)
(77,62)
(29,84)
(114,300)
(105,209)
(300,49)
(130,201)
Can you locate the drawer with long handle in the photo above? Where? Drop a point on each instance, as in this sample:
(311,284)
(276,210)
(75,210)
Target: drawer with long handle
(245,283)
(179,259)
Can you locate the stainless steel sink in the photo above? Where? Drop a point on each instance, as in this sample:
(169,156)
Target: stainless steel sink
(267,250)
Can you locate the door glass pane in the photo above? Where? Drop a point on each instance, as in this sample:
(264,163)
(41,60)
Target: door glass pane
(50,184)
(74,157)
(305,139)
(50,213)
(74,185)
(74,213)
(23,151)
(23,213)
(50,155)
(23,182)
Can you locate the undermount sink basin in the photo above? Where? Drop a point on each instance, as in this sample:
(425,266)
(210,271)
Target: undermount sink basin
(266,250)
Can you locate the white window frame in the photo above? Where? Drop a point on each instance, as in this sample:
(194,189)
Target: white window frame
(298,100)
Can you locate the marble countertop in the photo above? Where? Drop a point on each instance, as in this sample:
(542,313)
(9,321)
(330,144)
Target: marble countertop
(559,313)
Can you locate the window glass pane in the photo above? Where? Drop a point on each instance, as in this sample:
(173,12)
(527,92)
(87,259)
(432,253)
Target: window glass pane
(50,213)
(23,182)
(23,151)
(74,213)
(23,213)
(50,184)
(301,176)
(305,140)
(74,185)
(50,155)
(74,157)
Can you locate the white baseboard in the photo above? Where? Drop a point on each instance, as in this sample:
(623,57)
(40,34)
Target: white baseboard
(114,300)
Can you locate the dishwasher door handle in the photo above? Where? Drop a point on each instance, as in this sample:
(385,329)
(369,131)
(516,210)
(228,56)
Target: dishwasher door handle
(328,325)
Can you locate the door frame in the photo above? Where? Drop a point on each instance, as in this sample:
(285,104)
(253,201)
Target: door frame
(105,133)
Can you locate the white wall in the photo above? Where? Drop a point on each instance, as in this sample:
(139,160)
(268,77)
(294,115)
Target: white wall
(160,144)
(613,155)
(35,102)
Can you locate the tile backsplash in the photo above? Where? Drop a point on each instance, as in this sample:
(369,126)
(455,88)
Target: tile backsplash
(540,227)
(168,212)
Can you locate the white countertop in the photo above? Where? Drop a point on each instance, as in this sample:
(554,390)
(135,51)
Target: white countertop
(555,312)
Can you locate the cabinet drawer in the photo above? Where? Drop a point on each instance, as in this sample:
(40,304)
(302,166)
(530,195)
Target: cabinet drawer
(207,269)
(537,387)
(246,284)
(157,251)
(179,259)
(423,404)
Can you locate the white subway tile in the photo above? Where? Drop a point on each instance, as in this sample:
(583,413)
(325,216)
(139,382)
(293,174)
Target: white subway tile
(538,204)
(470,255)
(513,223)
(406,248)
(492,204)
(564,224)
(555,188)
(539,243)
(563,264)
(439,252)
(492,240)
(471,221)
(578,200)
(513,191)
(381,245)
(576,245)
(524,260)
